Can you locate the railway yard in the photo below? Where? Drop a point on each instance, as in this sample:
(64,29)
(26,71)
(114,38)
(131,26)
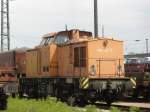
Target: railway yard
(72,70)
(62,66)
(43,71)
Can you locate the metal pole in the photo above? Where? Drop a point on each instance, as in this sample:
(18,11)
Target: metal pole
(146,46)
(103,33)
(2,5)
(8,27)
(5,26)
(95,19)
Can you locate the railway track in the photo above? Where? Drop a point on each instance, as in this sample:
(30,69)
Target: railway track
(131,99)
(125,106)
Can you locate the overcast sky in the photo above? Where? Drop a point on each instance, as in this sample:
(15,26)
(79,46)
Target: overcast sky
(127,20)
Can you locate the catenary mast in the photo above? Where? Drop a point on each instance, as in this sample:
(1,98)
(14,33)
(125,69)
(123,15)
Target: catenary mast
(5,26)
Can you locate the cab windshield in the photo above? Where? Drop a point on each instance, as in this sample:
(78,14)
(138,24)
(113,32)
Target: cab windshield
(46,41)
(61,39)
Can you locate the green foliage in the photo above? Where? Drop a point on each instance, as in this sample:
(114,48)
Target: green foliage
(134,109)
(91,108)
(50,105)
(115,109)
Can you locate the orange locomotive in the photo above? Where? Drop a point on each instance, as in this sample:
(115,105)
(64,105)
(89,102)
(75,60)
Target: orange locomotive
(75,54)
(75,67)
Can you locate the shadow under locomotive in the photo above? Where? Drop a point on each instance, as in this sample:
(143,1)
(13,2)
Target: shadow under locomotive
(70,90)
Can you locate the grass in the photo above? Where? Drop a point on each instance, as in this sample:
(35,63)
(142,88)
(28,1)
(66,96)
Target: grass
(50,105)
(131,109)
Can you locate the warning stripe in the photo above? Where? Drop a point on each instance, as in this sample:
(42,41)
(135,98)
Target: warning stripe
(86,86)
(84,83)
(133,81)
(82,79)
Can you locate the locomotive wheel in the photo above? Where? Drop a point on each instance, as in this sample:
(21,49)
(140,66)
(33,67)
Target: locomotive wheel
(92,96)
(81,101)
(71,101)
(20,94)
(93,101)
(135,94)
(13,95)
(146,95)
(63,98)
(108,97)
(108,100)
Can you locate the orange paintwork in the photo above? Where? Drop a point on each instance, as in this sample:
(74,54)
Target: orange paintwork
(32,63)
(48,58)
(106,59)
(106,55)
(42,61)
(110,54)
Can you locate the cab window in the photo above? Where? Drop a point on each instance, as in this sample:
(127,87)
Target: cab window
(43,42)
(49,40)
(46,41)
(61,39)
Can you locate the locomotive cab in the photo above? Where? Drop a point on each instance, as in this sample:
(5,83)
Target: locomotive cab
(47,39)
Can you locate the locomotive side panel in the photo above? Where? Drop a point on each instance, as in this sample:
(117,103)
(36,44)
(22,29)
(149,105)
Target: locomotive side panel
(80,56)
(95,59)
(49,66)
(105,58)
(53,60)
(63,62)
(44,60)
(33,63)
(68,61)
